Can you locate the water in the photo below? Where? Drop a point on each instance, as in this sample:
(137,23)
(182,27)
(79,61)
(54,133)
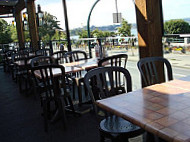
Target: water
(133,32)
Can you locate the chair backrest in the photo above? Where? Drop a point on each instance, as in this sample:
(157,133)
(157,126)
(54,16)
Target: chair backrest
(76,55)
(59,56)
(41,60)
(44,52)
(115,60)
(29,50)
(103,82)
(21,55)
(149,70)
(7,58)
(27,61)
(9,53)
(51,82)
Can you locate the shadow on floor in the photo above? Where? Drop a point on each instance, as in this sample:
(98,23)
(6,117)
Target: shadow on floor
(21,120)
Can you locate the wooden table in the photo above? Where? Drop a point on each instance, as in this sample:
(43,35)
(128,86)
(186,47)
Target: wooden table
(162,109)
(57,72)
(22,62)
(83,64)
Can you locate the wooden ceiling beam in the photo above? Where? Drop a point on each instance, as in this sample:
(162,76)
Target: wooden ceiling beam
(20,6)
(6,10)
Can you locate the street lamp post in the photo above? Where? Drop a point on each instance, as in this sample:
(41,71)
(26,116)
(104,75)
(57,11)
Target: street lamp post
(88,24)
(88,28)
(40,16)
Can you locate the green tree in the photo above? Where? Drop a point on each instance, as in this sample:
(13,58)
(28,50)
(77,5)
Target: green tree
(13,33)
(125,29)
(50,25)
(108,34)
(5,34)
(83,34)
(97,33)
(59,35)
(176,27)
(27,36)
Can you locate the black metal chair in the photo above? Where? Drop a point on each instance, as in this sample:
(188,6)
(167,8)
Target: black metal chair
(44,52)
(41,60)
(103,82)
(19,72)
(8,64)
(115,60)
(27,77)
(149,70)
(119,60)
(55,95)
(59,57)
(76,55)
(78,79)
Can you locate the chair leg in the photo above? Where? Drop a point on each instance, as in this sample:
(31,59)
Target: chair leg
(71,103)
(20,84)
(102,139)
(48,109)
(79,92)
(4,66)
(45,113)
(12,73)
(34,88)
(61,108)
(26,86)
(74,83)
(86,92)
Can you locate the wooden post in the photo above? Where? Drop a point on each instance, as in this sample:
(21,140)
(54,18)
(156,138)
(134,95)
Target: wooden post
(149,25)
(19,27)
(33,29)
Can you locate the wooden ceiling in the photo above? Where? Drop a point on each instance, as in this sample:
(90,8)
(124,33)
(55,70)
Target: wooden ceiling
(8,7)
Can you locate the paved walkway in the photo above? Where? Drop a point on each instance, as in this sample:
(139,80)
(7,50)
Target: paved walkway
(176,59)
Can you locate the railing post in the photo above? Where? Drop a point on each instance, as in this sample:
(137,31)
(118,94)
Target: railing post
(51,46)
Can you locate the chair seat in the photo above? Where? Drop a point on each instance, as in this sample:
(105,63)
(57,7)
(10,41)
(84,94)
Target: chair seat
(116,125)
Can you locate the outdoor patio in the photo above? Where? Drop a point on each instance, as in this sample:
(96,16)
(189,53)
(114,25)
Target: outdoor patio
(21,120)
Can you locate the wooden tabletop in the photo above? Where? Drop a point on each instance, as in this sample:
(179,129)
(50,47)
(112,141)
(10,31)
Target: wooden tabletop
(84,64)
(72,67)
(57,72)
(162,109)
(22,62)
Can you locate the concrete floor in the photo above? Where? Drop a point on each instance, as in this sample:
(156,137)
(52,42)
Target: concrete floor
(21,119)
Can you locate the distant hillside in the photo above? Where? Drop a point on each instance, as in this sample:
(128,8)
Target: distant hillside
(102,28)
(109,27)
(187,20)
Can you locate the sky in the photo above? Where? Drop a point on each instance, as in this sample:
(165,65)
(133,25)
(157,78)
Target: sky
(78,11)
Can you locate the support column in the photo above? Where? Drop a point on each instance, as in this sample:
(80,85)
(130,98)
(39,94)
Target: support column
(150,26)
(67,25)
(33,29)
(19,27)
